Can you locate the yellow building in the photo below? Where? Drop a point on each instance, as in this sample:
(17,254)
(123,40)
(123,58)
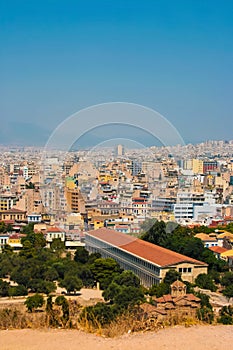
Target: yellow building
(70,183)
(197,166)
(13,215)
(75,201)
(7,201)
(104,177)
(98,223)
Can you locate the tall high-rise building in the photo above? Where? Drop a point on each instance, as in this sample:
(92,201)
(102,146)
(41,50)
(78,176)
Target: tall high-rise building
(120,150)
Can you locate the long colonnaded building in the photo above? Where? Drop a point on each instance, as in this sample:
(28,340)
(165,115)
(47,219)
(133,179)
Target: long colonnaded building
(148,261)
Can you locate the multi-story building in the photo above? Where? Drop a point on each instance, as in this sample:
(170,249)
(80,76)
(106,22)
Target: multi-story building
(209,166)
(148,261)
(75,201)
(7,201)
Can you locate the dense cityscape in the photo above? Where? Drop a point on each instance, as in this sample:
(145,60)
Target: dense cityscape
(66,195)
(88,189)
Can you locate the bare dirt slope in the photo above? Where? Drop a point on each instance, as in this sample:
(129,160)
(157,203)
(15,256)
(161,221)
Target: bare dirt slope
(176,338)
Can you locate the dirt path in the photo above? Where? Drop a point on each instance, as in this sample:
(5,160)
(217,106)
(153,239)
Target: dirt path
(177,338)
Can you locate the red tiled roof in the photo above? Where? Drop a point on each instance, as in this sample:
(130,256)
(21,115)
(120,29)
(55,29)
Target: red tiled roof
(8,221)
(168,298)
(148,251)
(217,249)
(14,236)
(165,299)
(161,311)
(150,309)
(169,306)
(192,297)
(181,301)
(54,229)
(13,211)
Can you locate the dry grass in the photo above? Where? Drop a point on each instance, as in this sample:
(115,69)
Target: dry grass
(92,326)
(17,317)
(124,324)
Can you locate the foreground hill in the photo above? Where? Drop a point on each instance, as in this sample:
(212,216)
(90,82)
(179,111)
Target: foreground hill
(176,338)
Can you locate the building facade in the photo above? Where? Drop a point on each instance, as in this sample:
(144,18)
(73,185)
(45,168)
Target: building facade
(148,261)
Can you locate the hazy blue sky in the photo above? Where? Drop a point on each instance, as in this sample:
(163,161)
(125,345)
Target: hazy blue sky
(175,56)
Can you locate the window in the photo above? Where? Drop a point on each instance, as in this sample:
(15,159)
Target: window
(189,269)
(185,269)
(180,269)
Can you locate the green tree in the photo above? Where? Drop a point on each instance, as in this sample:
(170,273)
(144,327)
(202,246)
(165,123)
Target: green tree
(227,279)
(81,255)
(8,250)
(147,224)
(228,291)
(206,282)
(61,301)
(21,276)
(156,234)
(28,228)
(214,264)
(57,246)
(4,228)
(34,302)
(111,291)
(37,285)
(71,283)
(27,250)
(104,270)
(205,313)
(19,290)
(51,274)
(128,297)
(92,257)
(99,314)
(127,278)
(159,290)
(30,185)
(4,288)
(51,315)
(226,315)
(171,276)
(85,274)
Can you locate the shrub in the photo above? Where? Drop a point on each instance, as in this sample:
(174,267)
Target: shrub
(34,302)
(19,290)
(226,315)
(206,282)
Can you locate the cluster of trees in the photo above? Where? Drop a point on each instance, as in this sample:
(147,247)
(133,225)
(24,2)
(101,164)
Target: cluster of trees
(38,269)
(181,240)
(121,294)
(205,313)
(4,228)
(55,318)
(226,315)
(7,290)
(164,287)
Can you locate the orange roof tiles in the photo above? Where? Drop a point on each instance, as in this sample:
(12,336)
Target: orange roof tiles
(158,255)
(205,237)
(54,229)
(192,297)
(217,249)
(13,211)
